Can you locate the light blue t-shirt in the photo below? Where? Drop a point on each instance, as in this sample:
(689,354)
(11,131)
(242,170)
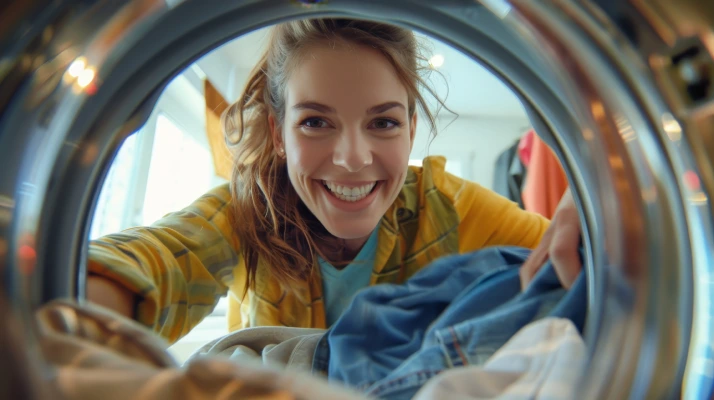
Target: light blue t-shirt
(340,285)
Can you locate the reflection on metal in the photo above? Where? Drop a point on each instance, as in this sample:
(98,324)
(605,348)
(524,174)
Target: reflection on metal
(671,127)
(27,256)
(597,109)
(86,77)
(692,181)
(698,198)
(616,162)
(649,195)
(500,8)
(6,202)
(625,129)
(656,19)
(90,154)
(81,74)
(693,184)
(588,134)
(596,77)
(77,67)
(310,3)
(6,209)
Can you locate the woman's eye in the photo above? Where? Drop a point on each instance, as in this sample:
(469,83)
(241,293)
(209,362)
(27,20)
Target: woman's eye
(384,124)
(314,123)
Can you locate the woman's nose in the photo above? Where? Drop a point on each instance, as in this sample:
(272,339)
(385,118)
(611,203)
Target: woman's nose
(352,151)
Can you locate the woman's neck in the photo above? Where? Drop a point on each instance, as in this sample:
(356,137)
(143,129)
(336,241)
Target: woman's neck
(345,252)
(353,246)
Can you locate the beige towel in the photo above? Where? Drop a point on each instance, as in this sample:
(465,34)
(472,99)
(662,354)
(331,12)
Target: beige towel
(97,354)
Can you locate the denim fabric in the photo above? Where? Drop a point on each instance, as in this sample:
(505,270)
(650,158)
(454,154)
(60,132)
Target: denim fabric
(456,312)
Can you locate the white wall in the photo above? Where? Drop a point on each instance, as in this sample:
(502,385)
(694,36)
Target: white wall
(227,78)
(475,142)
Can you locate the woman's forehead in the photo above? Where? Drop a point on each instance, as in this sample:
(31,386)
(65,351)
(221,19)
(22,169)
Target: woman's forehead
(344,75)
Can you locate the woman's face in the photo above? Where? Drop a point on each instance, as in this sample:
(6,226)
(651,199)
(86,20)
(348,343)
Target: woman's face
(347,137)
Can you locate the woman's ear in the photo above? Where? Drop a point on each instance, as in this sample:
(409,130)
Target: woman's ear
(276,135)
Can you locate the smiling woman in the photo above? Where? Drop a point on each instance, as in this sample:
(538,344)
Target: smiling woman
(359,135)
(323,201)
(364,137)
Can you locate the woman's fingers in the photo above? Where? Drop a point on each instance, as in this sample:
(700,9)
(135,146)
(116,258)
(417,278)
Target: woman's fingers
(564,247)
(537,258)
(560,244)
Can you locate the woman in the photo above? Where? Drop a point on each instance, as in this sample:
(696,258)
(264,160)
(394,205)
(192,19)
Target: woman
(322,202)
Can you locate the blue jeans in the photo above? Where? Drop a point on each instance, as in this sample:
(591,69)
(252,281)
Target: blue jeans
(458,311)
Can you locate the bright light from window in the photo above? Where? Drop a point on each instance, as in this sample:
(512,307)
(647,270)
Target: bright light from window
(109,215)
(436,61)
(181,171)
(453,167)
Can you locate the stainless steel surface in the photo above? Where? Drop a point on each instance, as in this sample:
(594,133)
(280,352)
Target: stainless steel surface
(623,87)
(650,215)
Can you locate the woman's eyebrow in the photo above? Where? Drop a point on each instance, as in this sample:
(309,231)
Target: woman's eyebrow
(378,109)
(311,105)
(319,107)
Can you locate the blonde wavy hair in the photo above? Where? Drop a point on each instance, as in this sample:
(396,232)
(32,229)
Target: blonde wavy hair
(270,220)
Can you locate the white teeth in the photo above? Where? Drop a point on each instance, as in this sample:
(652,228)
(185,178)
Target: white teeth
(346,193)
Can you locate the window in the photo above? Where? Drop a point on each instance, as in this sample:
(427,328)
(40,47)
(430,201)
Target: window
(142,186)
(452,166)
(181,171)
(111,212)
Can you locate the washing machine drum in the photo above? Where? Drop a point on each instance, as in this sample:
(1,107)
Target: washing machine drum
(622,90)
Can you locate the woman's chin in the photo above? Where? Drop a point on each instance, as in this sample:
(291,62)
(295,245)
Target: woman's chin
(348,230)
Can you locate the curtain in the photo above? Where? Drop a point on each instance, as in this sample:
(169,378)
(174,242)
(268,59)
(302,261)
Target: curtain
(215,106)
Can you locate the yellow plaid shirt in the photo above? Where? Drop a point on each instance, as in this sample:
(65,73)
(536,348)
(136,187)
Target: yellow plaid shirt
(181,265)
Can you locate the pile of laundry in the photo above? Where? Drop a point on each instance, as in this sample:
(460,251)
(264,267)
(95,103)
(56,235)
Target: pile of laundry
(461,328)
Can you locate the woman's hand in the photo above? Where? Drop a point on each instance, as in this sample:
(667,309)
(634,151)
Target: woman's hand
(108,294)
(560,243)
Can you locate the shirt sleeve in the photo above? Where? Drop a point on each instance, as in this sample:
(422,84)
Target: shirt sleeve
(485,217)
(178,267)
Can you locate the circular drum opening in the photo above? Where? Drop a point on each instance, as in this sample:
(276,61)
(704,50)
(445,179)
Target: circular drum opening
(622,92)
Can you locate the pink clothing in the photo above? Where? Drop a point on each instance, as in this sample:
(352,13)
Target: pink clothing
(525,147)
(545,181)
